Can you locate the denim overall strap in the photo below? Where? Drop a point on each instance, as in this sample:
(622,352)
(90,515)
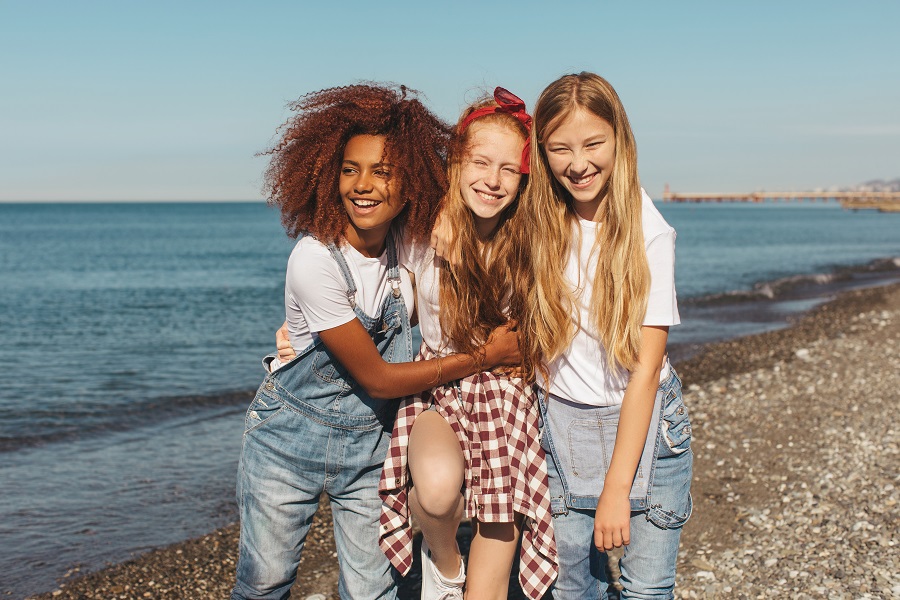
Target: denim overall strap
(393,273)
(345,271)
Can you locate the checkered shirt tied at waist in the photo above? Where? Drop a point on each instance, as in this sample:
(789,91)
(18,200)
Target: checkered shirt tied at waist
(495,419)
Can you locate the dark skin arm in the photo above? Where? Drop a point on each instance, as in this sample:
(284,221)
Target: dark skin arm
(352,345)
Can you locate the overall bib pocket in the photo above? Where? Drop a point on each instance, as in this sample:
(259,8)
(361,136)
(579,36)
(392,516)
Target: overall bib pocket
(264,407)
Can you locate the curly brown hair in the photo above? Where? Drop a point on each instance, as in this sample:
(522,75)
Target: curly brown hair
(303,172)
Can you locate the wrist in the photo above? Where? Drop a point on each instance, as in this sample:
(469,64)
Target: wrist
(613,486)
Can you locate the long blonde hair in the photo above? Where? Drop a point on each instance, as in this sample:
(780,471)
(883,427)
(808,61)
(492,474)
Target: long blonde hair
(621,282)
(490,275)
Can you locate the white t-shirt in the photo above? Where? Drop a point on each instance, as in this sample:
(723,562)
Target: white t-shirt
(315,291)
(582,374)
(420,259)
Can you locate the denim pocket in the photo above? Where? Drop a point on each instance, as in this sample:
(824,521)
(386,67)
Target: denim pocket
(587,450)
(263,408)
(390,321)
(676,425)
(671,519)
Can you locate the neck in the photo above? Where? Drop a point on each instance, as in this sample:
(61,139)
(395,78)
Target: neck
(368,242)
(589,211)
(484,228)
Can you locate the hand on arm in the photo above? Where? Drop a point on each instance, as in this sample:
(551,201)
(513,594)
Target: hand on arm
(612,518)
(441,240)
(286,352)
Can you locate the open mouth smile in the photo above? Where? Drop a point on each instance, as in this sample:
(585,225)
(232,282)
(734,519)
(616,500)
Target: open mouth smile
(583,181)
(489,198)
(360,203)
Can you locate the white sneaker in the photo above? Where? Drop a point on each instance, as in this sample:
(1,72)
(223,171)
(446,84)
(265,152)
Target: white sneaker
(437,587)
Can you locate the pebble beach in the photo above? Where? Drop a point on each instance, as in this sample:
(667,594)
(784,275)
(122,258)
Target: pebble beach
(795,481)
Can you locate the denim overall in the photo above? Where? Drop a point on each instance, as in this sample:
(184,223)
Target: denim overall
(578,440)
(312,429)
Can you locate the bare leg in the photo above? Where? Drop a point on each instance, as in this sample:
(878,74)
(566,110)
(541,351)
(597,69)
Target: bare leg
(437,468)
(490,559)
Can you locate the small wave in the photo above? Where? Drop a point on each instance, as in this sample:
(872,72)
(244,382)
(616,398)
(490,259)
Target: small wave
(787,286)
(86,422)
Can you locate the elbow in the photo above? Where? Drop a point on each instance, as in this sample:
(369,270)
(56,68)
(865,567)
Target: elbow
(378,389)
(379,393)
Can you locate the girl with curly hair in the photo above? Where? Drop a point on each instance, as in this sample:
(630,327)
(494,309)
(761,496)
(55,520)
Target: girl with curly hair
(357,171)
(470,447)
(616,430)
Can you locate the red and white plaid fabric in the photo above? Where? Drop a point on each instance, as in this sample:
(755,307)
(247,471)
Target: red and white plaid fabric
(496,422)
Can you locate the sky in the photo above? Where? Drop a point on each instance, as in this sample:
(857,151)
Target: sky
(128,100)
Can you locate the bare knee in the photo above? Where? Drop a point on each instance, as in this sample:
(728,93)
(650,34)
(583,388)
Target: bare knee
(436,465)
(438,491)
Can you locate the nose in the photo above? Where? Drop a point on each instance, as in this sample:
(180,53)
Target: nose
(579,162)
(492,178)
(363,183)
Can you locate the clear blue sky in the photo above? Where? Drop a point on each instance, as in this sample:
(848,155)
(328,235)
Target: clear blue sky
(163,100)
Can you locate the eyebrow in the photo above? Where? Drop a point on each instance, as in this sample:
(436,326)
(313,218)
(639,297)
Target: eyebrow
(347,161)
(485,157)
(596,138)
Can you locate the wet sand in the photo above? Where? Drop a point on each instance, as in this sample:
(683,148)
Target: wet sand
(795,479)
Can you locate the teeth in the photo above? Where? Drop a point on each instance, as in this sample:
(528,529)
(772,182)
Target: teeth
(488,197)
(583,179)
(366,203)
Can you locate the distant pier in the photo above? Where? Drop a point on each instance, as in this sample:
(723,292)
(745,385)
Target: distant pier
(883,201)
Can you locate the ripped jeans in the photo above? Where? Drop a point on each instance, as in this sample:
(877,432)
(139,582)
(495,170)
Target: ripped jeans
(578,440)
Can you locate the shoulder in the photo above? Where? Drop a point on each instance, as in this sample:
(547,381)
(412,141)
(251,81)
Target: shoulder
(654,223)
(308,248)
(413,255)
(310,257)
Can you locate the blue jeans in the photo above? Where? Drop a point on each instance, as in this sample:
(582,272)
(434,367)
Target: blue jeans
(291,454)
(648,566)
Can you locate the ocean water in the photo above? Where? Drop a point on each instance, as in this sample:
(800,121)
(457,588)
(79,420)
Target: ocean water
(132,333)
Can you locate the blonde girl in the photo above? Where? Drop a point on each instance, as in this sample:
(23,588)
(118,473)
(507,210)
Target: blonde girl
(599,309)
(470,448)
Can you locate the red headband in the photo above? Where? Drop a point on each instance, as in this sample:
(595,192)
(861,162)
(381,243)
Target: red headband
(508,103)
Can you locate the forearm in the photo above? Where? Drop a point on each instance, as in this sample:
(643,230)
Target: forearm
(352,346)
(631,435)
(637,410)
(395,380)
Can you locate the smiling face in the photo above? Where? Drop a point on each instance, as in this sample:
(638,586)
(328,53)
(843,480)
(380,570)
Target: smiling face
(581,153)
(489,175)
(365,186)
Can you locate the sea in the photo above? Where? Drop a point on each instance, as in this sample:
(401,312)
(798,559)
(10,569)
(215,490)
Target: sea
(132,336)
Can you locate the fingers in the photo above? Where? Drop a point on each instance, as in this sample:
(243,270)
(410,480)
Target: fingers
(607,539)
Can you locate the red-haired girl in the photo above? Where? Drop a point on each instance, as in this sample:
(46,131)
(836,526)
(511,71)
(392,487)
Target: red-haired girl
(470,447)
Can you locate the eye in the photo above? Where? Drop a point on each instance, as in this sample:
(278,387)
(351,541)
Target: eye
(348,171)
(510,171)
(382,173)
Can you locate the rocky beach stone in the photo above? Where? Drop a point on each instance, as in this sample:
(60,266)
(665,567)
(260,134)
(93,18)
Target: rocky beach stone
(795,482)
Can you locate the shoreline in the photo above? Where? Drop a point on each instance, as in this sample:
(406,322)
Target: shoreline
(739,488)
